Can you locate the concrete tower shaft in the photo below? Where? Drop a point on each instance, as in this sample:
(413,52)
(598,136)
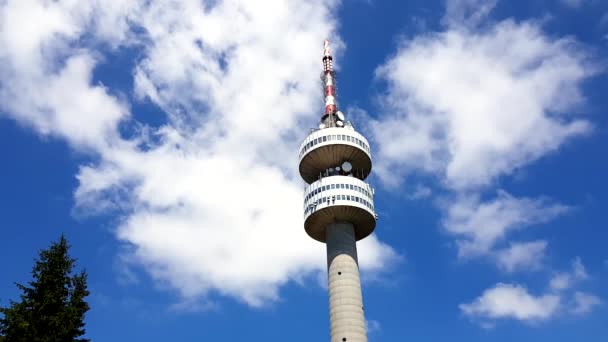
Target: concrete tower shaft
(335,161)
(347,320)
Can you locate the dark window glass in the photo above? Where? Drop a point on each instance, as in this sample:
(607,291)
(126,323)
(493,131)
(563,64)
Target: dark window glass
(333,186)
(324,138)
(348,197)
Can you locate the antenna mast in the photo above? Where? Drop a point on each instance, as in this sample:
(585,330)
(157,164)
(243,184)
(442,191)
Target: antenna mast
(328,76)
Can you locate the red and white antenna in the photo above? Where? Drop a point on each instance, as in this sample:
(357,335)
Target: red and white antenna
(329,82)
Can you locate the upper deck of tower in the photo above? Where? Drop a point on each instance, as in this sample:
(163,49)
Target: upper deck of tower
(335,148)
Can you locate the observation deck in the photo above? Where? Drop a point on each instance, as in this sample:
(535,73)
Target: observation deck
(330,147)
(339,199)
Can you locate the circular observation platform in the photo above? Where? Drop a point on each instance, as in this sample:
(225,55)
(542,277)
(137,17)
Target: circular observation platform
(339,199)
(329,147)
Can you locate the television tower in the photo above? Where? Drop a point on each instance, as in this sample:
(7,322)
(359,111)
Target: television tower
(335,160)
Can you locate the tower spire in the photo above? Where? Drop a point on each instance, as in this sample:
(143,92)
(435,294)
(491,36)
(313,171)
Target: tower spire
(328,76)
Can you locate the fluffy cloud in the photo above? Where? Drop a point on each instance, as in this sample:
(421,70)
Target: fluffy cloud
(584,303)
(465,107)
(565,280)
(481,225)
(45,82)
(211,200)
(523,255)
(512,301)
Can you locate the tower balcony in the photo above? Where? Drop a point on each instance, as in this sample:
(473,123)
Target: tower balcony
(327,148)
(339,199)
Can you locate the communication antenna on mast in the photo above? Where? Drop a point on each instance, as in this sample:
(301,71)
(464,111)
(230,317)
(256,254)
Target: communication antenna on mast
(328,76)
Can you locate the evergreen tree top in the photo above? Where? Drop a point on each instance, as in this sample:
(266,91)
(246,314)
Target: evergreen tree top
(52,305)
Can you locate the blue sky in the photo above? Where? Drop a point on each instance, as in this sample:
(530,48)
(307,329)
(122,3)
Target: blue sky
(161,138)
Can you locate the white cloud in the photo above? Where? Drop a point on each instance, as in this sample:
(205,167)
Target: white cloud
(210,201)
(584,303)
(46,82)
(421,192)
(467,13)
(565,280)
(522,256)
(481,225)
(512,301)
(465,107)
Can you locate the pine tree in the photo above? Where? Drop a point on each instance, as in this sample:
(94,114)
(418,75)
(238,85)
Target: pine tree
(52,306)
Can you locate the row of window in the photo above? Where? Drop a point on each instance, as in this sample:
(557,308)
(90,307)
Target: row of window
(337,186)
(334,137)
(332,199)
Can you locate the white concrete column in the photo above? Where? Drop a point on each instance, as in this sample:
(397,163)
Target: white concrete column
(347,322)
